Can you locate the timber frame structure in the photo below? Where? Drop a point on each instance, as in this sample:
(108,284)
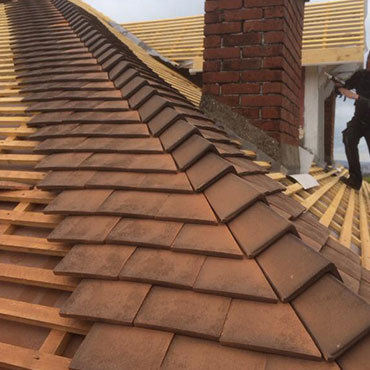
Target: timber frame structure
(33,335)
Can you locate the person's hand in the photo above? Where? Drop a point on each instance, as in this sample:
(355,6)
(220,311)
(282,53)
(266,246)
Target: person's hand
(348,93)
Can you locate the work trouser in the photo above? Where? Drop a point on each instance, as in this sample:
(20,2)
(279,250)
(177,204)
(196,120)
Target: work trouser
(351,137)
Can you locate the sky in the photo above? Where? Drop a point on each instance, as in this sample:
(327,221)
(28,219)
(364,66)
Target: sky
(123,11)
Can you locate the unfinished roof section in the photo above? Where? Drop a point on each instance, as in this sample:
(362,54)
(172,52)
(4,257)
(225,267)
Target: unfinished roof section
(184,258)
(334,32)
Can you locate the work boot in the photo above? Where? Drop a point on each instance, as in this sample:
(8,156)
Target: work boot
(351,183)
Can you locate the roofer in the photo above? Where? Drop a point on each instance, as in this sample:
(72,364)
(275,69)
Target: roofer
(358,126)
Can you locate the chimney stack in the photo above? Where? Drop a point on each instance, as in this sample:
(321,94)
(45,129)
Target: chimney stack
(252,62)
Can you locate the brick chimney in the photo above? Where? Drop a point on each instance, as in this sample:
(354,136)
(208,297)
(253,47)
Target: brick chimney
(253,63)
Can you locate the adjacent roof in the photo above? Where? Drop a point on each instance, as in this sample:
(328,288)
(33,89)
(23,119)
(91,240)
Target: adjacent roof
(334,32)
(170,247)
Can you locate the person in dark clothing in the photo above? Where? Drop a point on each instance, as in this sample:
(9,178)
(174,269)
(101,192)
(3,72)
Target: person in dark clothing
(359,126)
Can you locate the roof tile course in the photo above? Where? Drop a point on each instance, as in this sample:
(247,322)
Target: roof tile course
(187,218)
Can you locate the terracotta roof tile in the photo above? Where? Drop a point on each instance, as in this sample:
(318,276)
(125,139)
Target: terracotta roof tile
(286,204)
(194,354)
(118,69)
(208,240)
(110,130)
(364,290)
(147,233)
(102,300)
(62,161)
(284,363)
(184,312)
(231,195)
(234,278)
(190,151)
(163,120)
(141,96)
(160,163)
(152,107)
(244,166)
(132,87)
(176,134)
(350,282)
(306,224)
(83,229)
(334,315)
(78,201)
(291,266)
(109,347)
(264,184)
(162,267)
(94,261)
(207,170)
(63,180)
(358,357)
(141,181)
(187,207)
(119,145)
(267,327)
(59,145)
(258,235)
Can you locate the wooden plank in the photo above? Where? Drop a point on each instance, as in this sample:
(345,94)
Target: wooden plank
(364,231)
(17,144)
(17,131)
(312,199)
(276,176)
(333,207)
(28,244)
(38,315)
(263,164)
(346,233)
(31,196)
(56,342)
(33,219)
(36,277)
(22,176)
(14,120)
(20,358)
(20,159)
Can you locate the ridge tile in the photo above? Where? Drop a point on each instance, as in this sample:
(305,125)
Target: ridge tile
(335,316)
(258,227)
(357,357)
(291,266)
(231,195)
(176,134)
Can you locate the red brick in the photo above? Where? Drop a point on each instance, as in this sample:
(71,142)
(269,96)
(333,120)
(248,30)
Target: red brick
(246,88)
(221,53)
(273,62)
(210,18)
(261,100)
(211,89)
(274,37)
(272,88)
(223,4)
(271,112)
(212,41)
(264,25)
(250,113)
(221,77)
(270,125)
(264,3)
(243,14)
(262,75)
(274,12)
(241,64)
(222,28)
(211,66)
(262,50)
(229,100)
(250,38)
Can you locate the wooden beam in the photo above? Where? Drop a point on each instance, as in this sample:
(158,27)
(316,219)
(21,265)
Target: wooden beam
(11,144)
(44,316)
(17,131)
(56,342)
(28,244)
(20,159)
(14,357)
(31,196)
(364,231)
(22,176)
(346,233)
(333,207)
(43,278)
(33,219)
